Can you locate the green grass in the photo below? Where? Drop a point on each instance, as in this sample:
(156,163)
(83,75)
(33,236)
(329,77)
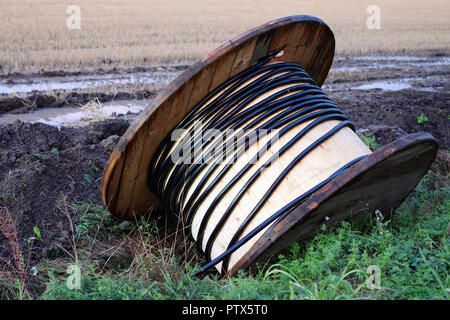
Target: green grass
(412,252)
(369,140)
(151,258)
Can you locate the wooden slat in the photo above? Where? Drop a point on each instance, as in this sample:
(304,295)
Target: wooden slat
(129,173)
(243,56)
(280,36)
(113,185)
(310,40)
(262,46)
(223,70)
(201,86)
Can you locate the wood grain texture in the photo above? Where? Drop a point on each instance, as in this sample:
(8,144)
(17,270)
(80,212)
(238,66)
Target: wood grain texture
(317,166)
(380,181)
(309,42)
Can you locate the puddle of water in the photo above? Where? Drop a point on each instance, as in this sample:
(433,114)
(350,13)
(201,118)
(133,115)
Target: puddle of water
(384,85)
(84,82)
(429,84)
(386,63)
(362,63)
(346,69)
(67,116)
(391,58)
(441,62)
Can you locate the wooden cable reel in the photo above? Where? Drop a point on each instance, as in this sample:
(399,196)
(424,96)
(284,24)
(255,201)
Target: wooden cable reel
(336,179)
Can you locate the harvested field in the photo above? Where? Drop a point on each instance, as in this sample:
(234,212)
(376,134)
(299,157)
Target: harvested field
(35,38)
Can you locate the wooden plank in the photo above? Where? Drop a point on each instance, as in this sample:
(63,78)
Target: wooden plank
(114,183)
(243,56)
(280,36)
(201,86)
(310,39)
(323,56)
(296,38)
(262,46)
(223,70)
(129,174)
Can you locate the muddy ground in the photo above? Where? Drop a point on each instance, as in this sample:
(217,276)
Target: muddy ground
(41,166)
(27,92)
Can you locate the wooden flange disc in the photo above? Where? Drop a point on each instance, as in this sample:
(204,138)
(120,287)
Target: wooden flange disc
(381,181)
(306,40)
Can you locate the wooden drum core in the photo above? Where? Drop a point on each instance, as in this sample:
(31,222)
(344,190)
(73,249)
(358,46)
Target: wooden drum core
(232,161)
(247,150)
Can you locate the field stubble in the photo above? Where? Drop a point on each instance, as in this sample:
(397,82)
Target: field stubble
(34,36)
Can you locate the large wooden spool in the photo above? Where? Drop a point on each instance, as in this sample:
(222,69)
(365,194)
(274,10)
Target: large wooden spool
(381,180)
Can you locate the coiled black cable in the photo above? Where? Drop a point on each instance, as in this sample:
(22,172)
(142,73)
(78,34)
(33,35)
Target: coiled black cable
(229,107)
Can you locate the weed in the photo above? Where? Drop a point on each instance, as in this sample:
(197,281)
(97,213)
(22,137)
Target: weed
(55,151)
(87,179)
(369,140)
(421,119)
(441,111)
(37,232)
(16,271)
(39,156)
(94,108)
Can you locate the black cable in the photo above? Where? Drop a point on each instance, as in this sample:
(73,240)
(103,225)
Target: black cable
(229,107)
(278,215)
